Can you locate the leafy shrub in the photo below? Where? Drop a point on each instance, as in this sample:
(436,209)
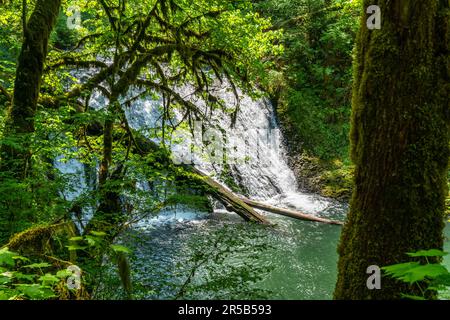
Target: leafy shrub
(22,279)
(428,277)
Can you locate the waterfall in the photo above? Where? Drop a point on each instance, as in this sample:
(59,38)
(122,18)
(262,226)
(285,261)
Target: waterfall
(254,141)
(255,156)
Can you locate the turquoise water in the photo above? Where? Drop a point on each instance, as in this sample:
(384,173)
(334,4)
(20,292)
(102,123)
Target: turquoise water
(303,256)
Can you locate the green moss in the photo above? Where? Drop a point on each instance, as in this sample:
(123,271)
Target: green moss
(337,180)
(37,239)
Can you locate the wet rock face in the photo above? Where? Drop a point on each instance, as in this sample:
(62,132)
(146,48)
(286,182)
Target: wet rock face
(332,180)
(307,170)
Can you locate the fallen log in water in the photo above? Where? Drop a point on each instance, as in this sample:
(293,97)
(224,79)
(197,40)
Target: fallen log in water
(241,206)
(233,202)
(229,200)
(289,213)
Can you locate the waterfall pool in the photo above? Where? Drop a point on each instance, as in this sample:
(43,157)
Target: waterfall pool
(303,254)
(301,258)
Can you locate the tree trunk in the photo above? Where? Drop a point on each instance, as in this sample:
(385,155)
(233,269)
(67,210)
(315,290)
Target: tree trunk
(20,122)
(399,140)
(228,199)
(109,211)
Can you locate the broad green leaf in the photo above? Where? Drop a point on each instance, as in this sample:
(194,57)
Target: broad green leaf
(48,279)
(76,239)
(7,257)
(76,247)
(38,265)
(22,276)
(407,296)
(24,259)
(35,291)
(428,253)
(4,279)
(431,270)
(8,294)
(119,248)
(98,233)
(400,269)
(443,280)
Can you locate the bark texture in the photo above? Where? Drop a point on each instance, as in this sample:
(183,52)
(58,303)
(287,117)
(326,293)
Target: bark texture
(399,138)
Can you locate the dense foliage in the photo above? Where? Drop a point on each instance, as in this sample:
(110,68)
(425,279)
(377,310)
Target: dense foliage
(312,84)
(77,173)
(122,51)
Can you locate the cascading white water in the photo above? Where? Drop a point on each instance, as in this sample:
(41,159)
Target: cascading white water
(259,168)
(258,163)
(255,157)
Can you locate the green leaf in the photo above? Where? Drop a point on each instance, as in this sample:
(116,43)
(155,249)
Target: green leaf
(76,247)
(428,253)
(22,276)
(8,294)
(76,239)
(21,258)
(398,270)
(119,248)
(36,291)
(38,265)
(442,280)
(7,257)
(5,279)
(48,279)
(98,233)
(407,296)
(63,274)
(92,241)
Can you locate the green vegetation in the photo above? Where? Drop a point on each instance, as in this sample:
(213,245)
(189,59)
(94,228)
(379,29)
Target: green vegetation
(21,279)
(313,82)
(429,278)
(311,87)
(153,46)
(80,167)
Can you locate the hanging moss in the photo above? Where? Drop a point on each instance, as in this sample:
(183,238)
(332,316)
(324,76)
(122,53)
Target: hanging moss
(399,141)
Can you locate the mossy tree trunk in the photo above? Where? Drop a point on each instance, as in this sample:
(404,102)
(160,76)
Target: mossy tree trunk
(400,135)
(20,123)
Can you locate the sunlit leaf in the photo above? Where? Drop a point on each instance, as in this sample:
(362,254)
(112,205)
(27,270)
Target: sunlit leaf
(36,291)
(98,233)
(48,279)
(119,248)
(428,253)
(7,257)
(38,265)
